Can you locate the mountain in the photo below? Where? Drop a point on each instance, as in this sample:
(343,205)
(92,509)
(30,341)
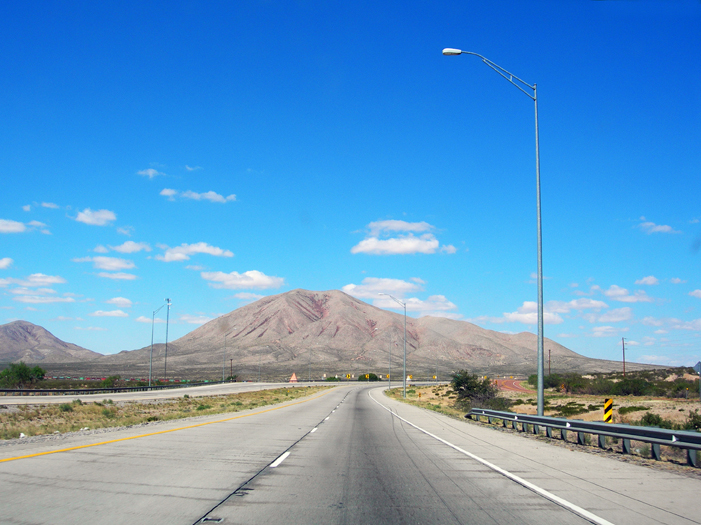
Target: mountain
(316,333)
(24,341)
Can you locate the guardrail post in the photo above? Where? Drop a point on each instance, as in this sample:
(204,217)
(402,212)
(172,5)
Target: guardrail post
(580,438)
(489,420)
(655,449)
(549,432)
(524,427)
(602,441)
(536,429)
(514,425)
(504,423)
(563,434)
(691,457)
(626,446)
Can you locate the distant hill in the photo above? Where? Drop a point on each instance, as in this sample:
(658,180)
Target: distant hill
(312,333)
(24,341)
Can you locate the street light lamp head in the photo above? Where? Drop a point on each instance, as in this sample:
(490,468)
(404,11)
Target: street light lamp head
(449,51)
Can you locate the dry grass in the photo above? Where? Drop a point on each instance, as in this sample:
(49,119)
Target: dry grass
(34,420)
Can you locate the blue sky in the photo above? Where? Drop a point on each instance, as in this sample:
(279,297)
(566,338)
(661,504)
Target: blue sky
(218,152)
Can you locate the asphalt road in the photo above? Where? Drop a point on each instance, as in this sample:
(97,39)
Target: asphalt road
(354,457)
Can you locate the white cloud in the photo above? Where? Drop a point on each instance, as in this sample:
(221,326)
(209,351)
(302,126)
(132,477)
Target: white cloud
(562,307)
(91,328)
(371,287)
(528,314)
(196,267)
(695,293)
(120,302)
(27,207)
(676,280)
(96,218)
(685,325)
(650,280)
(119,276)
(252,279)
(207,196)
(607,331)
(402,245)
(184,251)
(125,230)
(167,192)
(131,247)
(63,318)
(378,227)
(651,321)
(248,296)
(35,279)
(617,293)
(5,263)
(41,299)
(189,168)
(108,263)
(50,205)
(100,249)
(7,226)
(112,313)
(142,319)
(150,173)
(194,319)
(616,315)
(650,227)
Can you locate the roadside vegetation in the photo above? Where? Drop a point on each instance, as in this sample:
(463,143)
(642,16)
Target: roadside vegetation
(33,420)
(20,375)
(673,383)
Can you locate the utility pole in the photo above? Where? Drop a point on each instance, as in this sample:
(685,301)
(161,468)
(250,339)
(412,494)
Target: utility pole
(548,361)
(232,368)
(623,341)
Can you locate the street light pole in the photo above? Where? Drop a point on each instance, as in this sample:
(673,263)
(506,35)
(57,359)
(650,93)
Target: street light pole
(165,362)
(404,305)
(520,84)
(223,366)
(150,361)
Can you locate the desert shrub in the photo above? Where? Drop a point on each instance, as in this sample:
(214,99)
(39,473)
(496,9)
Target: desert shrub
(65,407)
(693,421)
(655,420)
(368,377)
(626,410)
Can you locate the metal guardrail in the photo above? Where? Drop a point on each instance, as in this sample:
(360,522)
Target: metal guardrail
(690,441)
(86,391)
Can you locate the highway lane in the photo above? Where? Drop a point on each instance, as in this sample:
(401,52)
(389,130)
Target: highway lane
(350,460)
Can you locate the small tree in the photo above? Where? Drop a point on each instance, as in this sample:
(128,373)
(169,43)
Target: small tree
(472,389)
(19,375)
(368,377)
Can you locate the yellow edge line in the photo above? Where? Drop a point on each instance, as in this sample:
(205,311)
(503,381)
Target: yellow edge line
(162,431)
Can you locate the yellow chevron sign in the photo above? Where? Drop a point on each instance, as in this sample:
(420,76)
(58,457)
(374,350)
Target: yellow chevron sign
(608,410)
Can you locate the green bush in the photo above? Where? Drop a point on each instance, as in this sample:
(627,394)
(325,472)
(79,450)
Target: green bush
(368,377)
(19,375)
(65,407)
(626,410)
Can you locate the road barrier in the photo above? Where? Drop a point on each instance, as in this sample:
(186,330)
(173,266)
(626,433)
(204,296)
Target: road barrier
(684,439)
(86,391)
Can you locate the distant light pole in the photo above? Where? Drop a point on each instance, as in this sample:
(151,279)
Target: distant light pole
(150,361)
(165,363)
(404,305)
(534,97)
(389,375)
(223,366)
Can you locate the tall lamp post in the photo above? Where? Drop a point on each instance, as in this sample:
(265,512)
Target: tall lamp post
(403,305)
(150,361)
(520,84)
(165,362)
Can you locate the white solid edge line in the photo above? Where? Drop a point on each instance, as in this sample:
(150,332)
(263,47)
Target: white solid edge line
(314,430)
(549,495)
(280,460)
